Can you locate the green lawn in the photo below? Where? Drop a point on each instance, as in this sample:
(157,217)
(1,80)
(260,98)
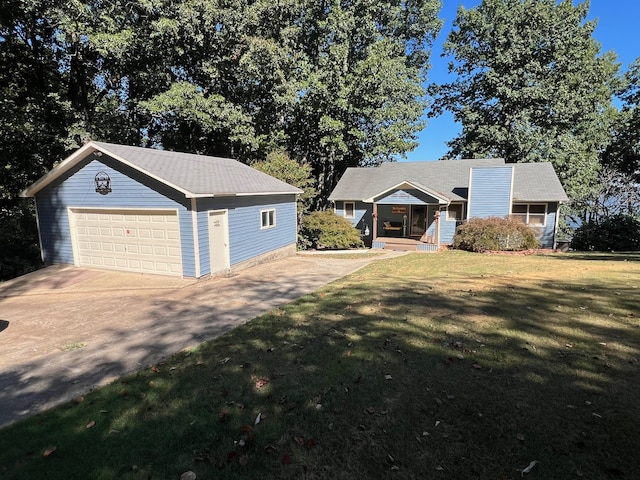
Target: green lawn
(451,365)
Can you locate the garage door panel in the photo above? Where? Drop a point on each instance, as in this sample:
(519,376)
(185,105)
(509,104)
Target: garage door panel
(139,241)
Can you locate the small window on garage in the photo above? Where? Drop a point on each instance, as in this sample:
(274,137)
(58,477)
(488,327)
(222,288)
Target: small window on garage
(454,212)
(349,209)
(268,218)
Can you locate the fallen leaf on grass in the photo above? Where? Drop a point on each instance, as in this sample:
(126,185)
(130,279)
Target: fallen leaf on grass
(261,383)
(477,366)
(439,468)
(91,424)
(370,410)
(188,476)
(528,468)
(520,437)
(388,377)
(224,360)
(49,451)
(258,418)
(299,440)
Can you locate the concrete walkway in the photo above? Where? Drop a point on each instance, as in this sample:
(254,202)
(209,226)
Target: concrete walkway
(66,330)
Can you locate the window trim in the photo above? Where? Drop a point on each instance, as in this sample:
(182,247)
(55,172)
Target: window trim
(449,219)
(353,209)
(528,213)
(271,219)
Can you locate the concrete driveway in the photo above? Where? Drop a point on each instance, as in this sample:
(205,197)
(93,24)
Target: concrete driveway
(66,330)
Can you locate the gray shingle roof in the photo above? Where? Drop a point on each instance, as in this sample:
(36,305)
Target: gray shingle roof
(450,178)
(194,175)
(537,182)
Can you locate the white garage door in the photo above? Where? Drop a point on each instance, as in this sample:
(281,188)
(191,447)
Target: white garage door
(146,241)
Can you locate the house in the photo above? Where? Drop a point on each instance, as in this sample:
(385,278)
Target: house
(426,201)
(154,211)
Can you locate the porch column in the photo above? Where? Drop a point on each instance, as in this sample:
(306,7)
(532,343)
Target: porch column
(438,227)
(374,232)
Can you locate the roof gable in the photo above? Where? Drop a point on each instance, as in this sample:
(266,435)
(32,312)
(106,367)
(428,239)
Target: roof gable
(193,175)
(411,185)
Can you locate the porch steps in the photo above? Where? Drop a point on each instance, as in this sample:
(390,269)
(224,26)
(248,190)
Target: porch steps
(405,246)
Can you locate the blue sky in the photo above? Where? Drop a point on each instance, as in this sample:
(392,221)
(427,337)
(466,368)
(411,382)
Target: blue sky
(617,30)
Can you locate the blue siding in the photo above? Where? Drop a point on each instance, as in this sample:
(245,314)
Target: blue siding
(490,192)
(406,197)
(203,237)
(363,217)
(130,189)
(246,239)
(447,228)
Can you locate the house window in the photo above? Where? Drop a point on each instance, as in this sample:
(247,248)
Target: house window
(454,212)
(268,218)
(349,210)
(534,214)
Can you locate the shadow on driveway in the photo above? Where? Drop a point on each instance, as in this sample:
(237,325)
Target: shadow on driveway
(66,340)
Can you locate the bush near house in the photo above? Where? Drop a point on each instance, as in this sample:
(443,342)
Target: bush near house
(494,234)
(618,233)
(325,229)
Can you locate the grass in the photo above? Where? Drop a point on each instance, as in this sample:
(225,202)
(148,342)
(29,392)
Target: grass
(70,346)
(452,366)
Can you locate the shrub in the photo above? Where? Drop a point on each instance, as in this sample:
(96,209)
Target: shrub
(482,234)
(617,233)
(325,229)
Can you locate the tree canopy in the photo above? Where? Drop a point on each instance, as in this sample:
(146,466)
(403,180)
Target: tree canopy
(531,86)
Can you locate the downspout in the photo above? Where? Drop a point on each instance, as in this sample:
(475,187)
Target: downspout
(35,201)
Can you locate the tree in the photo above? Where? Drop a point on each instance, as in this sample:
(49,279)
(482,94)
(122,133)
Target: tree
(623,153)
(531,87)
(279,165)
(34,117)
(618,194)
(334,84)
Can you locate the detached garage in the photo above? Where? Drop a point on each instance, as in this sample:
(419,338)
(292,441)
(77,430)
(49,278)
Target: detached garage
(152,211)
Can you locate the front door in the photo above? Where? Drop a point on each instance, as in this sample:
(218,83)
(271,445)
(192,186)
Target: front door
(218,241)
(418,213)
